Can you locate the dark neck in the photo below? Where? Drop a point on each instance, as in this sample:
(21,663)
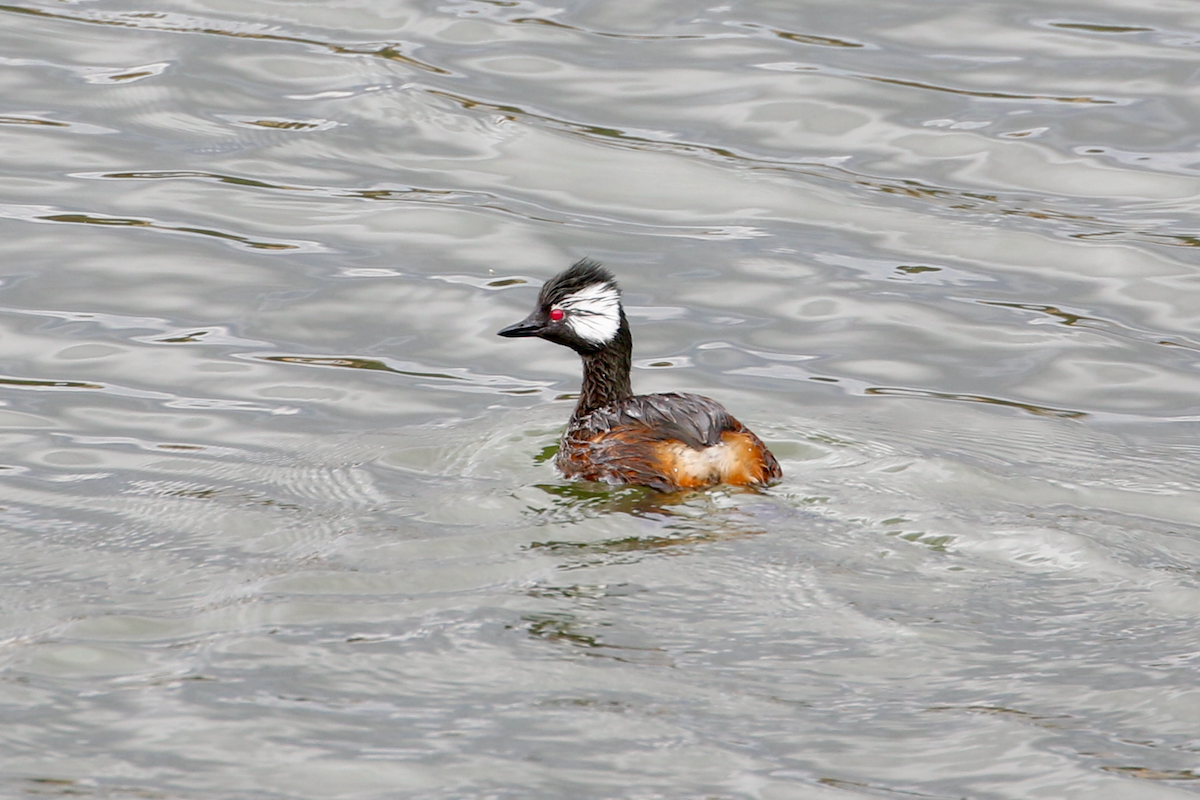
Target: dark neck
(606,373)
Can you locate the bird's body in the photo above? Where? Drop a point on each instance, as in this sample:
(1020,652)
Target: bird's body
(665,441)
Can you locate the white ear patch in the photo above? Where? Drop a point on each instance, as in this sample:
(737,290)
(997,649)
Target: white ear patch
(594,312)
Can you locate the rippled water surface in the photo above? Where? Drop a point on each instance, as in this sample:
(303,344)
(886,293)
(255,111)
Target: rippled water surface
(278,515)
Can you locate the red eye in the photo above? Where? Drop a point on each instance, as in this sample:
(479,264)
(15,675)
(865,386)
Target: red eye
(556,314)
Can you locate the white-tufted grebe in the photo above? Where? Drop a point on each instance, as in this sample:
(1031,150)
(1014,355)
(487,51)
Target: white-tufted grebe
(666,441)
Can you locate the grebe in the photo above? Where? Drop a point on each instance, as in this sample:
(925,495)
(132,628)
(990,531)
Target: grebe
(665,441)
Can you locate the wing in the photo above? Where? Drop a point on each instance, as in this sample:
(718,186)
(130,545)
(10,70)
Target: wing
(696,421)
(624,454)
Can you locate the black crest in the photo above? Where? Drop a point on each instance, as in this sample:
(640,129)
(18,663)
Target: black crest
(583,272)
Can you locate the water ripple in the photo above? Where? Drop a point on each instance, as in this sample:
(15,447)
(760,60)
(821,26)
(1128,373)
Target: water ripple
(475,382)
(795,66)
(181,23)
(41,213)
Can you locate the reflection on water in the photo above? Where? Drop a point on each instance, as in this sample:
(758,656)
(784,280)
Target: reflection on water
(278,515)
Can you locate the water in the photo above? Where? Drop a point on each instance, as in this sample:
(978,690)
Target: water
(278,515)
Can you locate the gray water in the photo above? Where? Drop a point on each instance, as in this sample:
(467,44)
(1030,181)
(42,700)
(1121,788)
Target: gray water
(278,514)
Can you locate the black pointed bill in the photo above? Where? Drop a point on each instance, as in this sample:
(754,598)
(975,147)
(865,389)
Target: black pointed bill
(530,326)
